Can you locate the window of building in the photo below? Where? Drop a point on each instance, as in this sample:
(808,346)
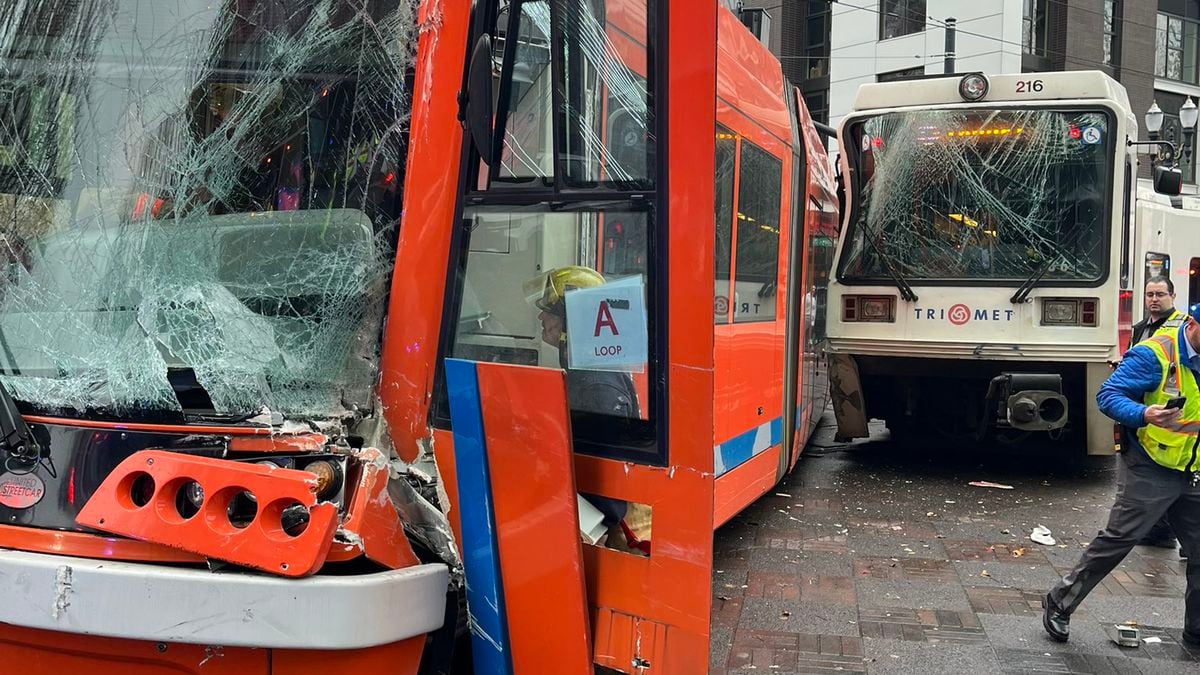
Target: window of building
(1175,48)
(818,105)
(816,39)
(1033,27)
(1112,32)
(1173,131)
(756,253)
(905,74)
(901,17)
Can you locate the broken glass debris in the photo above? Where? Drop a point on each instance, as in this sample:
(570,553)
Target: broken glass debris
(198,201)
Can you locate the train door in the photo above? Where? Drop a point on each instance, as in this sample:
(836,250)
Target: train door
(797,378)
(591,183)
(749,308)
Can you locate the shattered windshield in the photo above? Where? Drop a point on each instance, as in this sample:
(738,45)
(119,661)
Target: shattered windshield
(198,201)
(971,194)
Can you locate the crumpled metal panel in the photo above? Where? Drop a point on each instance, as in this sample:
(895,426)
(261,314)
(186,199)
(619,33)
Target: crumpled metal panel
(199,190)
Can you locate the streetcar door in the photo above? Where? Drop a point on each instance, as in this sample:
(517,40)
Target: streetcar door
(600,168)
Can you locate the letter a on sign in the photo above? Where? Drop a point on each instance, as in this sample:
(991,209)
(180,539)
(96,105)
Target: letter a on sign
(604,318)
(606,326)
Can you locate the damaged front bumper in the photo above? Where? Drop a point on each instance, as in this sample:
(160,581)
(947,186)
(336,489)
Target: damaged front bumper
(138,601)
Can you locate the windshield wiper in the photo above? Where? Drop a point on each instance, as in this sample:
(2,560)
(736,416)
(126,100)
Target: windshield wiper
(1030,283)
(16,439)
(906,291)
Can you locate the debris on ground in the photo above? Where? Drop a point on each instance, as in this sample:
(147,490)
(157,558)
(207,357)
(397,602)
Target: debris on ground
(1124,634)
(1041,535)
(1152,640)
(1018,552)
(989,484)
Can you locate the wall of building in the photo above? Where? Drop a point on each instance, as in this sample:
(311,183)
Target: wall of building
(988,40)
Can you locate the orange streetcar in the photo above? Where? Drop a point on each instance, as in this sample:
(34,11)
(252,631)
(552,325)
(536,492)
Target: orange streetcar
(319,318)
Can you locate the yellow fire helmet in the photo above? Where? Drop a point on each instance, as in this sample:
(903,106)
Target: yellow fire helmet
(547,290)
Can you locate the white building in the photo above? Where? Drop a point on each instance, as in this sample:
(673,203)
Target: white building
(875,40)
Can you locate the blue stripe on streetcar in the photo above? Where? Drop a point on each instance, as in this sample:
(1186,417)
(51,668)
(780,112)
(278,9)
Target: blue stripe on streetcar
(481,561)
(741,448)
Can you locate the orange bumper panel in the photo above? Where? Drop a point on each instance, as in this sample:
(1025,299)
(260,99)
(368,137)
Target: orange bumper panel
(246,514)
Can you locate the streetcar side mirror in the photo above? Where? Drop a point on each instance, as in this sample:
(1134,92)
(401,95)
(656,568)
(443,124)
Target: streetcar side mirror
(1168,180)
(479,114)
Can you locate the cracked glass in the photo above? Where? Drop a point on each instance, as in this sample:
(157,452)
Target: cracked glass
(198,202)
(604,126)
(967,194)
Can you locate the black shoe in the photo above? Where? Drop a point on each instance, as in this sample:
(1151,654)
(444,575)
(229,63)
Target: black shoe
(1159,542)
(1191,640)
(1056,622)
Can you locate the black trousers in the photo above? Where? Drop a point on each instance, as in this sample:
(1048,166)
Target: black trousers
(1146,491)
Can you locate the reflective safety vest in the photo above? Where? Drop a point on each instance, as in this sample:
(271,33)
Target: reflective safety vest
(1171,326)
(1174,448)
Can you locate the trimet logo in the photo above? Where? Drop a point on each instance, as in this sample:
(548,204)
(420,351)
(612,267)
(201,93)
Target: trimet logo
(960,314)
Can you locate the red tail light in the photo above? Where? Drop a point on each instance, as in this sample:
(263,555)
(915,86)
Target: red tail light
(1125,319)
(1070,312)
(869,308)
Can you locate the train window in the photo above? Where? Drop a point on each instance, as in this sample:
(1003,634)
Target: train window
(527,153)
(603,134)
(605,108)
(723,255)
(1158,265)
(756,257)
(1126,224)
(1194,282)
(529,274)
(980,195)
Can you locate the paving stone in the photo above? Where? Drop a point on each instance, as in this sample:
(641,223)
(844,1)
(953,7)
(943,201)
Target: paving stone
(1015,574)
(912,594)
(1165,612)
(1033,661)
(975,550)
(778,651)
(878,544)
(818,573)
(1004,600)
(914,569)
(907,658)
(831,564)
(920,625)
(801,617)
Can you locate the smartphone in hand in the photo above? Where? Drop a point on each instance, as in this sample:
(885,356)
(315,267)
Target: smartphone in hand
(1176,403)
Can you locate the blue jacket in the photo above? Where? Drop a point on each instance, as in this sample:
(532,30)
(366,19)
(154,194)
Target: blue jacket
(1120,397)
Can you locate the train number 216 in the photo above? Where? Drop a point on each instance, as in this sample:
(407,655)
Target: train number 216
(1026,86)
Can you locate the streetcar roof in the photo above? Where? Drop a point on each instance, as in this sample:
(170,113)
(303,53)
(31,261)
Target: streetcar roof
(1003,89)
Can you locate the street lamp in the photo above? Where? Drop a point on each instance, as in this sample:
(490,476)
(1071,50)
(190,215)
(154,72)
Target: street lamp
(1154,120)
(1168,179)
(1187,120)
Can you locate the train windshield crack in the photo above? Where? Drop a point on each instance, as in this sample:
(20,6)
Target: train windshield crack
(969,194)
(200,188)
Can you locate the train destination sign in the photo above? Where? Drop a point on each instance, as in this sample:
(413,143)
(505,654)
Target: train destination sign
(606,326)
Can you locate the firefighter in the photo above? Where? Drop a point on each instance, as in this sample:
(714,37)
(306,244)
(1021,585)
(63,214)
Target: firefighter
(1161,318)
(1154,395)
(593,391)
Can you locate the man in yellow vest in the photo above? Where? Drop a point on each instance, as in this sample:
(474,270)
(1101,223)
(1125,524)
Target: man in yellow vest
(1154,395)
(1161,318)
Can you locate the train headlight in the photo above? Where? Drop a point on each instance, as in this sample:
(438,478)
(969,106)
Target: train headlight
(973,87)
(869,308)
(1069,312)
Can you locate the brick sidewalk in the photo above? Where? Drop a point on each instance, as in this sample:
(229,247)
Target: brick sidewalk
(874,559)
